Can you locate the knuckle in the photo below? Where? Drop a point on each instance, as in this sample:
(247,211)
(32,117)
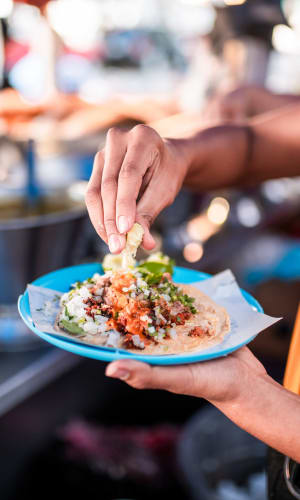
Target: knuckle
(108,183)
(129,169)
(144,131)
(113,132)
(147,217)
(141,129)
(108,221)
(110,225)
(91,196)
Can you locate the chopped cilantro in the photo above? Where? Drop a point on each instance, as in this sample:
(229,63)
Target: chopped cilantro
(77,285)
(68,314)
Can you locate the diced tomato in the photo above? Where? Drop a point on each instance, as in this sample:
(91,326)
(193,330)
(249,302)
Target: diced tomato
(131,317)
(122,280)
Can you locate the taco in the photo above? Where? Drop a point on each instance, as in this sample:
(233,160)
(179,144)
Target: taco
(140,308)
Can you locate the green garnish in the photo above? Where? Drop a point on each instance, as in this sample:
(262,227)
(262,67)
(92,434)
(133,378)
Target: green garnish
(77,285)
(69,316)
(152,271)
(71,327)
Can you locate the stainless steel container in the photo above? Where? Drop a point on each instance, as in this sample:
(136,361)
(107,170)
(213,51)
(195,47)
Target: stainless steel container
(33,246)
(30,247)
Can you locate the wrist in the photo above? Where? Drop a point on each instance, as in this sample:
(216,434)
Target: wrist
(242,394)
(181,150)
(219,157)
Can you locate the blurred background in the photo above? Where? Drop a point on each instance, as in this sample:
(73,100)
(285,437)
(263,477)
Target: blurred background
(70,70)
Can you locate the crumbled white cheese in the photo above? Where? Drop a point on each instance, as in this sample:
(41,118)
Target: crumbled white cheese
(64,298)
(137,341)
(113,339)
(172,333)
(96,276)
(90,327)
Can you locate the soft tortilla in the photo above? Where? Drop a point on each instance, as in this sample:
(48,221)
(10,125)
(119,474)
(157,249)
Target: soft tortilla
(208,310)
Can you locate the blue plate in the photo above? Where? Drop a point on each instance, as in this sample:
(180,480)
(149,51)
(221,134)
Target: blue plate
(60,280)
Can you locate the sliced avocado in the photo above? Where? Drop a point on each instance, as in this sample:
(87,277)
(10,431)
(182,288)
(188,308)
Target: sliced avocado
(72,328)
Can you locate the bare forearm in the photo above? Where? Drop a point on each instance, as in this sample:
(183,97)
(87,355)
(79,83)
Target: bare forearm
(234,155)
(262,100)
(269,412)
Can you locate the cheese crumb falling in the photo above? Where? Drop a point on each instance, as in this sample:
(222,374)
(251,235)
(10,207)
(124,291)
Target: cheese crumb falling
(133,241)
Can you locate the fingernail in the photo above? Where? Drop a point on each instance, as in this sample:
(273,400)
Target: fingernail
(123,224)
(114,243)
(121,374)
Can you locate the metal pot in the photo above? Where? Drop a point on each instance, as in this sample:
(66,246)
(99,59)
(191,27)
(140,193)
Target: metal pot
(33,246)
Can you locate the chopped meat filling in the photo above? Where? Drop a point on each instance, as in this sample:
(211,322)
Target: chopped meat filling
(198,332)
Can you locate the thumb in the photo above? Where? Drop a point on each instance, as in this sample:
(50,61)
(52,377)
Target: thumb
(178,379)
(145,220)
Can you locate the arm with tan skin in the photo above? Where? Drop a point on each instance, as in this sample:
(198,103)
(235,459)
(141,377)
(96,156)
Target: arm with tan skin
(245,102)
(138,173)
(238,385)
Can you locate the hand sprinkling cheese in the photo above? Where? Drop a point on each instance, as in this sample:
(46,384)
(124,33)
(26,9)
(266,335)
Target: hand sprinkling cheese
(133,241)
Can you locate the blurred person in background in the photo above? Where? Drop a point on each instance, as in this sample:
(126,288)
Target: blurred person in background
(245,102)
(134,178)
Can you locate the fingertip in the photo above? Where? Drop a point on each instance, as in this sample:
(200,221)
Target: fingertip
(110,369)
(124,223)
(113,370)
(116,243)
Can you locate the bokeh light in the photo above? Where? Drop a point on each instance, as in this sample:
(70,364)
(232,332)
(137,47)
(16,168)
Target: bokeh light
(218,210)
(285,39)
(193,252)
(6,7)
(248,212)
